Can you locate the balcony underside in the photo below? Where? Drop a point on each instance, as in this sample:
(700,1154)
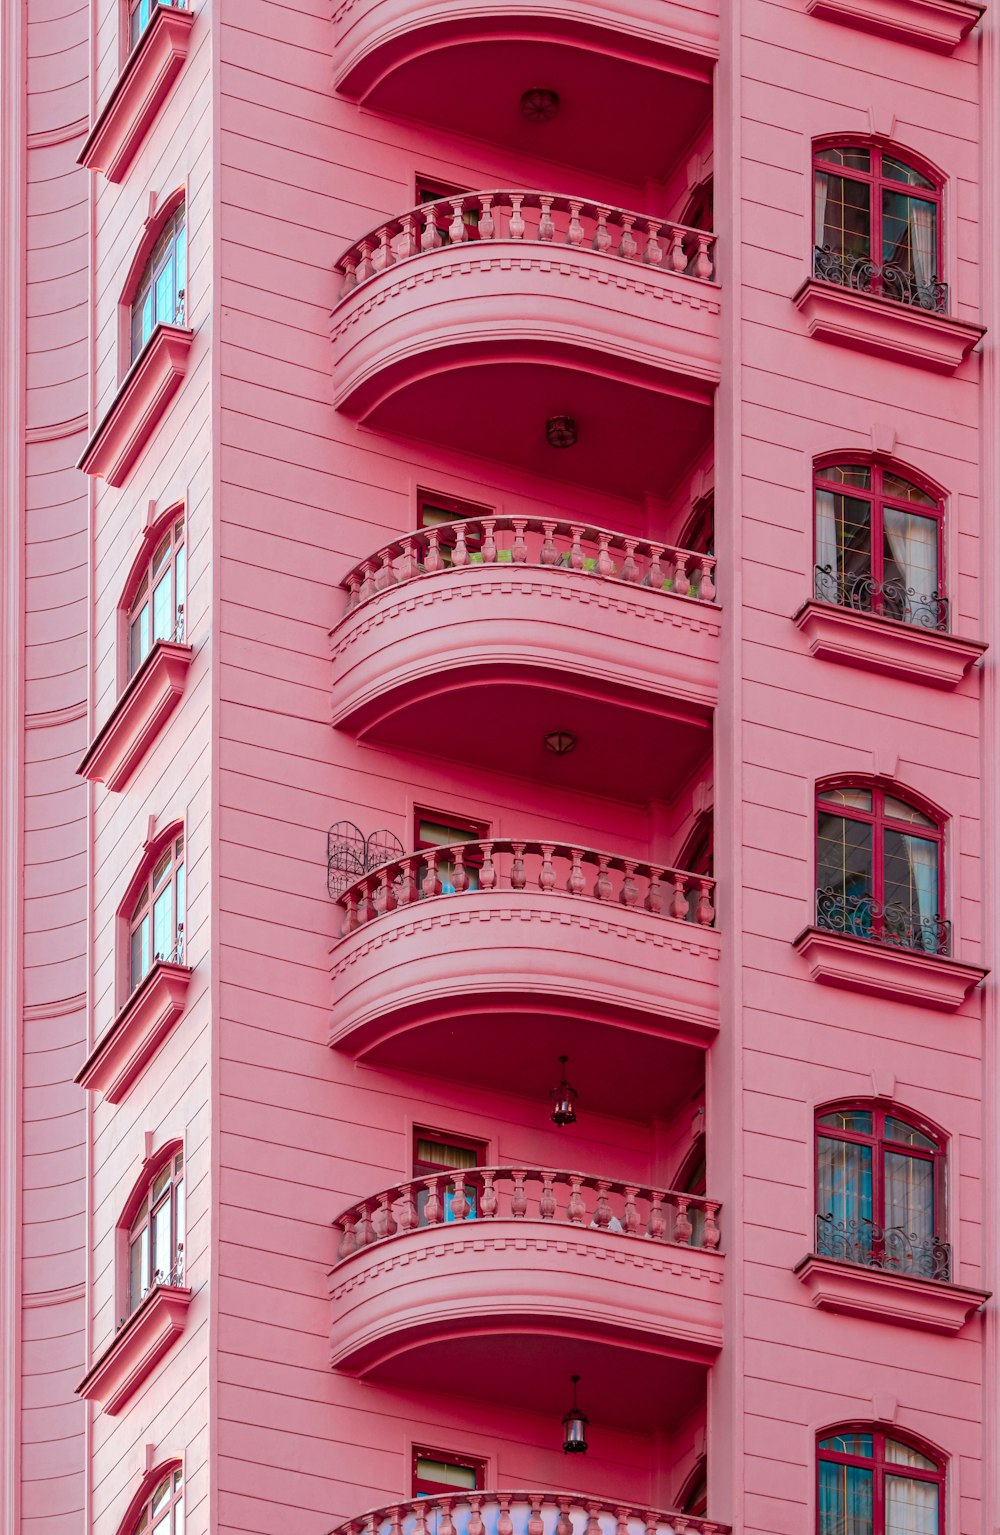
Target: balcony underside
(464,69)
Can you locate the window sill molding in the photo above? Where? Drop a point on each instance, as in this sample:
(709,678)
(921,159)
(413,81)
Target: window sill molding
(136,1348)
(137,718)
(854,1290)
(886,645)
(886,329)
(858,964)
(147,390)
(139,93)
(137,1033)
(937,24)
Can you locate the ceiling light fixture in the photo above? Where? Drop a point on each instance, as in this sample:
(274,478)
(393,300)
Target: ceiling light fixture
(539,106)
(560,432)
(560,742)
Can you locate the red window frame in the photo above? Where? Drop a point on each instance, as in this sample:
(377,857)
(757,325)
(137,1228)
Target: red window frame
(699,531)
(878,500)
(169,247)
(877,180)
(880,823)
(135,27)
(423,1487)
(160,1200)
(166,871)
(880,1144)
(171,551)
(167,1516)
(421,1168)
(880,1468)
(693,1496)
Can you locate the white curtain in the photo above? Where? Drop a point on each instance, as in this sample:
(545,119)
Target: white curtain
(821,186)
(826,546)
(922,240)
(911,1507)
(913,543)
(922,856)
(909,1194)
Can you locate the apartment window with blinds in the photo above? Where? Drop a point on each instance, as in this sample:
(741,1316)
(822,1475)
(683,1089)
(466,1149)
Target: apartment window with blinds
(433,833)
(436,1472)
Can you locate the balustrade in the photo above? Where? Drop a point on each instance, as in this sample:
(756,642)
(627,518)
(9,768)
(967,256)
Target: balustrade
(897,926)
(523,1513)
(530,218)
(535,542)
(501,863)
(890,1248)
(508,1193)
(883,281)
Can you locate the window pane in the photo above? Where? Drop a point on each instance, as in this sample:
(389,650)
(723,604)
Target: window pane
(140,949)
(911,888)
(858,475)
(163,924)
(911,1507)
(858,1120)
(436,834)
(446,1472)
(162,867)
(844,549)
(139,639)
(902,490)
(854,158)
(138,1268)
(909,235)
(905,1455)
(899,810)
(180,889)
(162,1245)
(845,1500)
(441,1154)
(843,214)
(909,1207)
(901,172)
(179,578)
(844,1199)
(181,270)
(844,874)
(860,1445)
(857,799)
(910,562)
(906,1135)
(161,1495)
(166,291)
(163,608)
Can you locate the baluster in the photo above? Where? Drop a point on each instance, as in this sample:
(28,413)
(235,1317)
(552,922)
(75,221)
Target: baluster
(654,895)
(519,549)
(409,243)
(432,557)
(518,874)
(366,267)
(535,1524)
(385,897)
(367,580)
(576,554)
(547,874)
(655,573)
(602,234)
(460,876)
(703,265)
(629,893)
(406,891)
(706,586)
(682,1223)
(603,889)
(630,1214)
(460,1206)
(505,1524)
(704,912)
(385,1221)
(515,226)
(602,1210)
(652,1524)
(489,542)
(593,1526)
(564,1524)
(710,1238)
(546,223)
(677,257)
(420,1507)
(383,256)
(549,554)
(630,569)
(682,1525)
(656,1221)
(366,908)
(350,903)
(475,1525)
(547,1198)
(627,246)
(488,1201)
(605,564)
(487,872)
(487,227)
(576,882)
(457,231)
(348,1242)
(407,568)
(654,252)
(519,1198)
(395,1521)
(350,276)
(430,885)
(682,584)
(460,553)
(433,1209)
(365,1230)
(430,240)
(576,1209)
(621,1514)
(409,1220)
(678,901)
(385,576)
(575,233)
(353,591)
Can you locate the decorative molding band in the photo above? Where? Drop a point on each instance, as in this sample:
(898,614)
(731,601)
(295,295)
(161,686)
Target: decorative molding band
(70,1293)
(47,718)
(57,430)
(47,138)
(39,1012)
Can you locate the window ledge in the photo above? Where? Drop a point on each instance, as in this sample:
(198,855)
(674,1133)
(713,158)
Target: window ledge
(136,1348)
(937,24)
(888,329)
(136,719)
(855,1290)
(149,386)
(139,93)
(137,1033)
(886,645)
(859,964)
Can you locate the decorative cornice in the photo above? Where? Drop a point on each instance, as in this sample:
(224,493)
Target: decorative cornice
(137,718)
(136,1348)
(40,1012)
(134,413)
(884,327)
(854,1290)
(138,93)
(880,969)
(57,430)
(937,24)
(48,719)
(69,1295)
(885,645)
(140,1028)
(48,138)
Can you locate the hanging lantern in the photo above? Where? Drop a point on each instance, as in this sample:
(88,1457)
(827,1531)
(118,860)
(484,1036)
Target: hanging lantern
(575,1427)
(563,1099)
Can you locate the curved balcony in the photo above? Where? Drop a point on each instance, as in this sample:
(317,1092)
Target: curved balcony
(614,1276)
(478,318)
(522,1513)
(522,626)
(558,942)
(466,68)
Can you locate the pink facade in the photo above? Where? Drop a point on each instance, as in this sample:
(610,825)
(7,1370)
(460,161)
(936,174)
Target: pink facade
(497,602)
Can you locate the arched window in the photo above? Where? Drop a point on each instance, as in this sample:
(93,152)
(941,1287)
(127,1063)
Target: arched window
(693,1498)
(879,544)
(878,224)
(879,868)
(156,918)
(155,1237)
(880,1191)
(156,612)
(141,12)
(159,295)
(875,1483)
(162,1512)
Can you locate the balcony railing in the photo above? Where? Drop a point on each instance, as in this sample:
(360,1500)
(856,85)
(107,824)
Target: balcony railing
(500,863)
(565,1198)
(892,1249)
(885,281)
(532,218)
(882,599)
(523,1513)
(899,927)
(535,542)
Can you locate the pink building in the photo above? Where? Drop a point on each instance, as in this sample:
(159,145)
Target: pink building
(499,735)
